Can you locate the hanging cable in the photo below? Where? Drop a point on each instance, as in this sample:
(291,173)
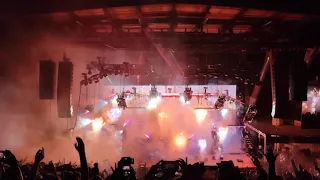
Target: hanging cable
(124,82)
(86,94)
(78,106)
(99,95)
(94,94)
(50,111)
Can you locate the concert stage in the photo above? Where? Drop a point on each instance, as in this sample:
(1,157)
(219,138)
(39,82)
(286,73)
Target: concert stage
(284,133)
(240,160)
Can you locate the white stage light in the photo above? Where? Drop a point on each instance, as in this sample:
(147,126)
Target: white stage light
(153,102)
(83,122)
(99,105)
(114,101)
(182,100)
(114,114)
(202,143)
(201,115)
(222,133)
(224,112)
(97,124)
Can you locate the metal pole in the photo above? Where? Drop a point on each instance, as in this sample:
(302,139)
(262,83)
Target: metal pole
(257,88)
(310,55)
(261,134)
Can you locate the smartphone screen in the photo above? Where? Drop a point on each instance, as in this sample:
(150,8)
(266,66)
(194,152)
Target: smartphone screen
(126,168)
(169,165)
(1,155)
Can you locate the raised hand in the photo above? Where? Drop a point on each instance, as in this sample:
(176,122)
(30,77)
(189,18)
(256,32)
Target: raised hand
(39,155)
(317,168)
(182,164)
(194,171)
(79,145)
(271,157)
(256,162)
(10,158)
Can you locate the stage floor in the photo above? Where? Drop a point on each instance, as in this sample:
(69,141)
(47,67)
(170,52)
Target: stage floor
(240,160)
(285,133)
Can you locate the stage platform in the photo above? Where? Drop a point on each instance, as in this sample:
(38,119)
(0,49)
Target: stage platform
(286,133)
(240,160)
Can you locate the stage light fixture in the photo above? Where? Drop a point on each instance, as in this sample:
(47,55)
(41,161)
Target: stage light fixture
(122,104)
(220,102)
(89,108)
(187,94)
(153,92)
(134,89)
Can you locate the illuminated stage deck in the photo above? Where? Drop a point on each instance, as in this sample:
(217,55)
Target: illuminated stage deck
(240,160)
(286,133)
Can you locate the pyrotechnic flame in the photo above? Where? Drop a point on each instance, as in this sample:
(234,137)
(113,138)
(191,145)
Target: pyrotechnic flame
(162,116)
(180,140)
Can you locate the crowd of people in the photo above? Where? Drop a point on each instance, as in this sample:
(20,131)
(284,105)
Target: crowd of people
(11,169)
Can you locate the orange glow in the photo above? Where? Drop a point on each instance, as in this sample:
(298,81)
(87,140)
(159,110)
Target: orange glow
(162,116)
(180,140)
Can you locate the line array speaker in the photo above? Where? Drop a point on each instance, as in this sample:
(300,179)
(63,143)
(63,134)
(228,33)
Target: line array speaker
(65,77)
(282,85)
(47,71)
(298,79)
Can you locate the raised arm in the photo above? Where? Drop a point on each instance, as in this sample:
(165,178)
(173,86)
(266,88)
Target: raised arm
(271,157)
(83,160)
(14,171)
(38,158)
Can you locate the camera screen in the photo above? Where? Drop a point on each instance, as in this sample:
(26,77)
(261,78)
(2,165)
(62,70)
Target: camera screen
(1,155)
(126,168)
(169,165)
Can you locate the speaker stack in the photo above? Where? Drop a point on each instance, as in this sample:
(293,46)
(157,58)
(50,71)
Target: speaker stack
(298,79)
(281,70)
(65,77)
(47,71)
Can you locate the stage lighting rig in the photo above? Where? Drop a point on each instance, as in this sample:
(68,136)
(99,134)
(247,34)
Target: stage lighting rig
(251,113)
(205,93)
(134,89)
(220,102)
(187,94)
(89,108)
(85,80)
(121,101)
(153,92)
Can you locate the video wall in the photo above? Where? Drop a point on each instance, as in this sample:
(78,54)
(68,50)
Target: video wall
(312,105)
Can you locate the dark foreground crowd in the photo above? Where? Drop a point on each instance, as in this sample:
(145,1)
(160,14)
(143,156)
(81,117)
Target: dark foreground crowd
(11,169)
